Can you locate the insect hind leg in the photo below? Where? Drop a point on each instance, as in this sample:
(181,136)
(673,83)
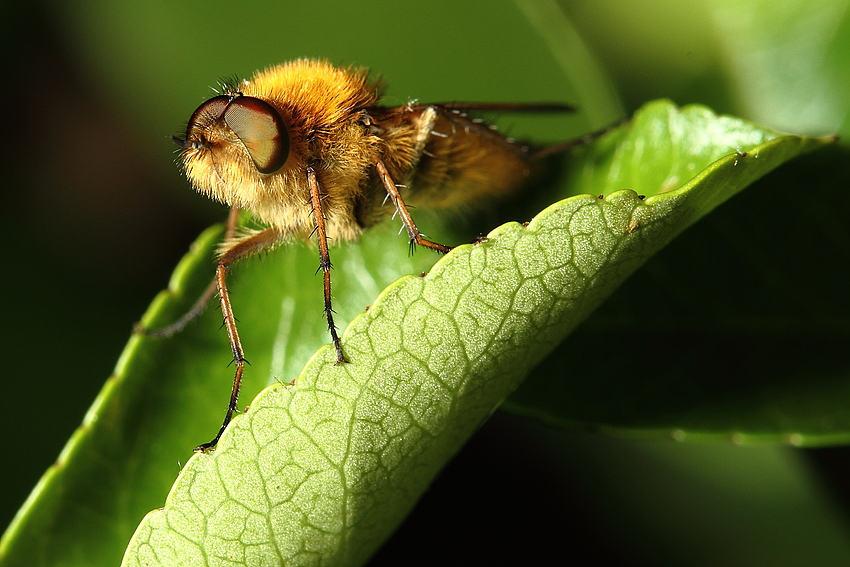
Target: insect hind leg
(416,237)
(543,153)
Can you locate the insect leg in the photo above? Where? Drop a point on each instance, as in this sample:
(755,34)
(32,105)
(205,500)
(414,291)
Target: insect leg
(201,304)
(324,257)
(568,145)
(416,237)
(237,250)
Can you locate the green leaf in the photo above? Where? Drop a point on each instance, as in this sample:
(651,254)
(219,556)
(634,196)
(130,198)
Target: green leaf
(324,469)
(736,333)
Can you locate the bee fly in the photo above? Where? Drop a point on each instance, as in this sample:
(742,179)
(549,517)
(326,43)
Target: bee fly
(307,132)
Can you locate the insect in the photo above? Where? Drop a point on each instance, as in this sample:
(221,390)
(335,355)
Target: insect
(308,150)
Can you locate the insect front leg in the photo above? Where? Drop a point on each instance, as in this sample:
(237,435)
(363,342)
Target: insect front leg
(235,251)
(201,304)
(416,237)
(324,257)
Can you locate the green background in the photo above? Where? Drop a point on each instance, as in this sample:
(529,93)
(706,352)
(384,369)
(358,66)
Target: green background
(98,215)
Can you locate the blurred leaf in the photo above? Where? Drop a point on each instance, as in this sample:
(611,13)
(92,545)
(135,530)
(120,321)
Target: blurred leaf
(735,332)
(791,74)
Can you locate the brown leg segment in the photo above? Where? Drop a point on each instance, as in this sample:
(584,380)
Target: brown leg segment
(238,250)
(416,237)
(202,302)
(324,257)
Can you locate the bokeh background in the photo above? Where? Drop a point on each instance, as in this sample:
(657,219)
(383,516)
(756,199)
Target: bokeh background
(97,215)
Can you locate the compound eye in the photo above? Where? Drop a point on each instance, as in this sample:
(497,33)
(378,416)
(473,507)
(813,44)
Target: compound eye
(206,114)
(261,129)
